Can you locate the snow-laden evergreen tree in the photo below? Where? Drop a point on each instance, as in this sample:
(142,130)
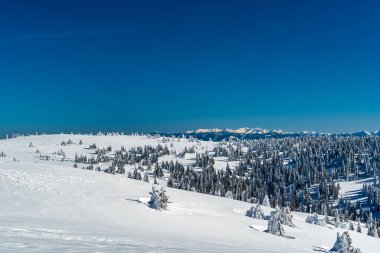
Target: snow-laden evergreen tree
(338,223)
(256,212)
(327,220)
(369,220)
(358,229)
(266,201)
(286,217)
(158,199)
(372,230)
(146,178)
(314,219)
(343,244)
(372,227)
(274,225)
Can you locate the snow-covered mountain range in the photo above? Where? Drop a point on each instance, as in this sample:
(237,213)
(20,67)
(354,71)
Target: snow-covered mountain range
(257,133)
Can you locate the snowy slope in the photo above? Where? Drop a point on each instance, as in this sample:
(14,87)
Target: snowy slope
(48,206)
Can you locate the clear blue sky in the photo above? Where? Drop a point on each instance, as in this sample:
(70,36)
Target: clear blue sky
(178,65)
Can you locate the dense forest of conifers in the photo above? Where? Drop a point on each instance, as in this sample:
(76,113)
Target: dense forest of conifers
(302,173)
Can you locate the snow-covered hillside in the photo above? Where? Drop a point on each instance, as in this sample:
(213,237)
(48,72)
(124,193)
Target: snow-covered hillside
(47,205)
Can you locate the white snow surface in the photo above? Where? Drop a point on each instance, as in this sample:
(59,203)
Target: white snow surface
(49,206)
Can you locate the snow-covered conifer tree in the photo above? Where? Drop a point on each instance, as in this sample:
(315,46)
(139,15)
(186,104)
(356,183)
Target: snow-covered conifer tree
(337,223)
(158,199)
(358,229)
(265,201)
(343,244)
(274,225)
(372,228)
(286,217)
(314,219)
(146,178)
(255,212)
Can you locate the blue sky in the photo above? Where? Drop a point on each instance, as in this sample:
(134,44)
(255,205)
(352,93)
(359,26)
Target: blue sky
(178,65)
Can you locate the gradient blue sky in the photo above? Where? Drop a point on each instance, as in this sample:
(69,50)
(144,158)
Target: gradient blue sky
(178,65)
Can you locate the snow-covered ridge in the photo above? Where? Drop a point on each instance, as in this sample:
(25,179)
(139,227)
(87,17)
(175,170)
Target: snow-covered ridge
(243,130)
(212,130)
(277,132)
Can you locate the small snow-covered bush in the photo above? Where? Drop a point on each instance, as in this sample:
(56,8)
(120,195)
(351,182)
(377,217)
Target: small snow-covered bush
(250,212)
(255,212)
(229,195)
(92,146)
(314,219)
(343,244)
(158,199)
(68,142)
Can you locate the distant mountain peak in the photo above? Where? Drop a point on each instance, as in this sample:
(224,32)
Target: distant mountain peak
(201,130)
(242,130)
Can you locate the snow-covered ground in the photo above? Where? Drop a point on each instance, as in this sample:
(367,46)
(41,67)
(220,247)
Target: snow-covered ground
(48,206)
